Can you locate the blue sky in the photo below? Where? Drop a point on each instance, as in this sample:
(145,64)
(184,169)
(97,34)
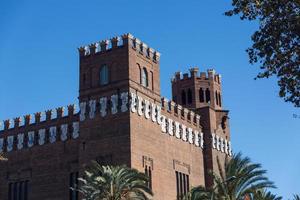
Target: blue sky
(39,65)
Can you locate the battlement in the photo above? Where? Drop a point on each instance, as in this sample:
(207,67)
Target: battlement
(178,111)
(115,43)
(209,75)
(9,125)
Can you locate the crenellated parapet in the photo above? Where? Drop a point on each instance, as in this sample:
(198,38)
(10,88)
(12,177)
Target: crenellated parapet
(209,75)
(45,127)
(126,40)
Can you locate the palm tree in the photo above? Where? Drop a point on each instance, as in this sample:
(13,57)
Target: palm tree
(114,183)
(296,197)
(264,195)
(2,158)
(240,178)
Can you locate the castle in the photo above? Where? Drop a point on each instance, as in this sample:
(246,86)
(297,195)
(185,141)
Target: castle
(122,119)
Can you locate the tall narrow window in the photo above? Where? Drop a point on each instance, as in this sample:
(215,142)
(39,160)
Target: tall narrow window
(220,102)
(190,96)
(152,81)
(18,190)
(183,97)
(217,98)
(201,95)
(148,173)
(103,75)
(182,184)
(145,77)
(73,184)
(207,95)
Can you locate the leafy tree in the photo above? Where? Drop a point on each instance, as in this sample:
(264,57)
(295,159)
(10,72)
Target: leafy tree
(114,183)
(240,178)
(264,195)
(276,44)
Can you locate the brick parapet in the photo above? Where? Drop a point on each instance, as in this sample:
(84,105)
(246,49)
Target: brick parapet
(127,39)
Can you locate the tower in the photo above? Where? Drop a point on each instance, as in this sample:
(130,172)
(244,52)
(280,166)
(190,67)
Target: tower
(194,91)
(109,71)
(203,94)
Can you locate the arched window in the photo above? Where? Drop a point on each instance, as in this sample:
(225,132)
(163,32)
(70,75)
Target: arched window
(220,102)
(207,95)
(201,95)
(217,98)
(104,75)
(183,97)
(190,96)
(145,82)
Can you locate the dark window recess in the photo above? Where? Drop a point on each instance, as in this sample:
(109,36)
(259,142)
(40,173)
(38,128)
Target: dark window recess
(201,95)
(182,184)
(148,173)
(220,101)
(207,95)
(18,190)
(183,97)
(175,99)
(145,81)
(73,185)
(217,98)
(103,75)
(190,96)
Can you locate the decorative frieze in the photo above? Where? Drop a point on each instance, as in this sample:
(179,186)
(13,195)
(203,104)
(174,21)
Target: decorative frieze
(221,144)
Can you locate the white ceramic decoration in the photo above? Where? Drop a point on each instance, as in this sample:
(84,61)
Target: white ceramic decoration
(222,144)
(202,140)
(183,133)
(170,127)
(177,130)
(153,112)
(1,144)
(52,134)
(10,143)
(64,132)
(133,102)
(213,140)
(82,106)
(75,133)
(114,103)
(158,115)
(163,124)
(30,141)
(103,106)
(147,109)
(124,99)
(190,136)
(140,105)
(226,146)
(20,138)
(218,142)
(197,139)
(42,136)
(92,105)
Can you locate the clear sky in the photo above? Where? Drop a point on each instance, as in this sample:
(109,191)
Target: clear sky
(39,65)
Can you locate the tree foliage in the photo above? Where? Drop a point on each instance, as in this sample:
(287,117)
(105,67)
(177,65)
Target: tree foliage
(276,44)
(114,183)
(264,195)
(240,178)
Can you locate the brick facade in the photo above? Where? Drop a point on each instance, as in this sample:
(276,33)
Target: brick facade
(122,120)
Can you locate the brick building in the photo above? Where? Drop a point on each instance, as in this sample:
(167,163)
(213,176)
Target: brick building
(122,119)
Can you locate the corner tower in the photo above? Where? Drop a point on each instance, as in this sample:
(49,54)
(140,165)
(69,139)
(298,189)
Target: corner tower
(117,63)
(196,91)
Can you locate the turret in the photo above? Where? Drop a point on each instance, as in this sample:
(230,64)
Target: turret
(196,90)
